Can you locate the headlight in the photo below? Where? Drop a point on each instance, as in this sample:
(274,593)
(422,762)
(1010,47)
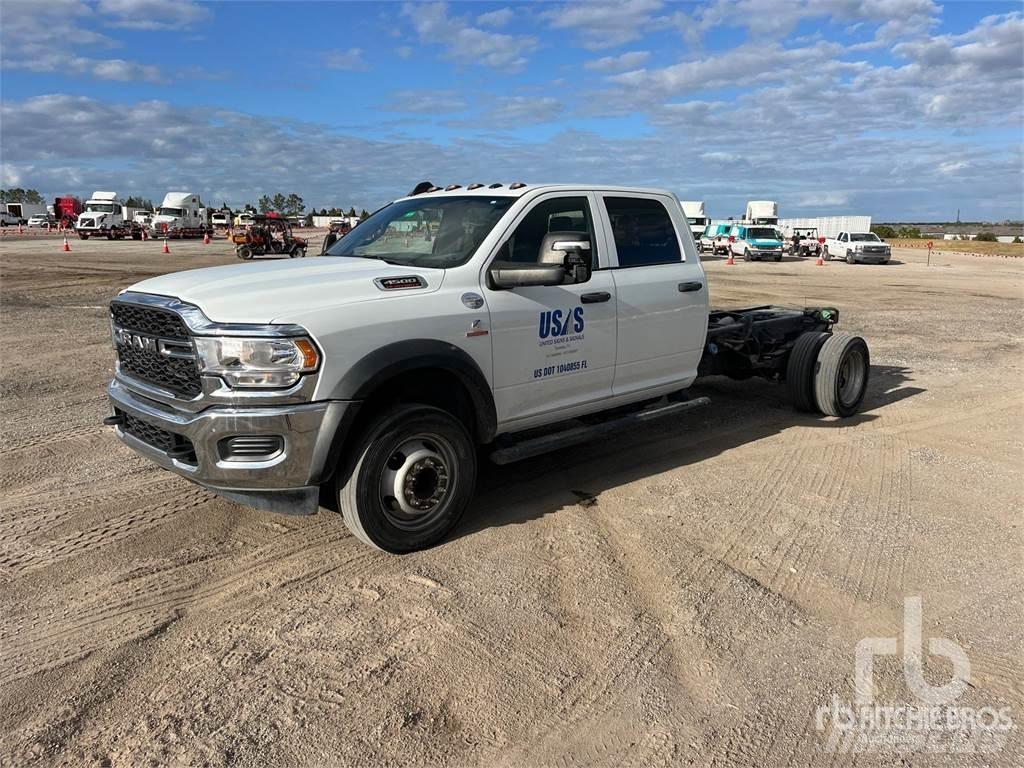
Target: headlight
(256,362)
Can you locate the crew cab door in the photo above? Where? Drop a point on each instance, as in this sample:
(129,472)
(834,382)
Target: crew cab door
(553,347)
(661,290)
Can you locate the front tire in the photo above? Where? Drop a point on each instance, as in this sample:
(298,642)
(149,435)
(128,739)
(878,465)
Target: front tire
(841,376)
(245,253)
(826,255)
(408,480)
(746,254)
(849,258)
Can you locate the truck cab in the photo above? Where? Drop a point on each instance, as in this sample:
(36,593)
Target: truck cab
(103,214)
(755,242)
(450,319)
(180,214)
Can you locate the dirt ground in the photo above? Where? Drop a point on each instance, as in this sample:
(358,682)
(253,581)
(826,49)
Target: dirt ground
(687,593)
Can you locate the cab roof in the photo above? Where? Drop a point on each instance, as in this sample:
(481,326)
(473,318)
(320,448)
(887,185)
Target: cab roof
(518,189)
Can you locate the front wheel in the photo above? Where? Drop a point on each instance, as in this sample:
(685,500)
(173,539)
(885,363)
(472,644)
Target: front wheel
(83,235)
(245,253)
(849,257)
(826,255)
(746,254)
(408,480)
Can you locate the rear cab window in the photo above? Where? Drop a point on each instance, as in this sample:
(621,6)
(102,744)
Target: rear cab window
(643,231)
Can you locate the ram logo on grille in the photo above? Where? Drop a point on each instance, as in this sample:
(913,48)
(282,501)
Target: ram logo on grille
(136,341)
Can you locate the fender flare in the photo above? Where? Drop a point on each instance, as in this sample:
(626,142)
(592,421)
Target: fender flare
(387,362)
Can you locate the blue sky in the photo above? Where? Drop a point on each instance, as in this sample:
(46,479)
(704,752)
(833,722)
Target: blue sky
(901,109)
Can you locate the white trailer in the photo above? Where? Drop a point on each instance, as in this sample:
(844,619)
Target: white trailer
(827,226)
(25,211)
(181,215)
(762,212)
(693,210)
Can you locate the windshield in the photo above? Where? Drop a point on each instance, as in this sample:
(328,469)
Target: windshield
(170,212)
(864,237)
(762,233)
(439,232)
(100,207)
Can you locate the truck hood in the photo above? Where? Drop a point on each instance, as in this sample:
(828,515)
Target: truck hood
(271,291)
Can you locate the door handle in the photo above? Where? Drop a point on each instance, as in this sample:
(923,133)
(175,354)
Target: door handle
(690,287)
(595,298)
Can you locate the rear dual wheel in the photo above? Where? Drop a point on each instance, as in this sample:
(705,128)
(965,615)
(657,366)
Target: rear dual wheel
(828,373)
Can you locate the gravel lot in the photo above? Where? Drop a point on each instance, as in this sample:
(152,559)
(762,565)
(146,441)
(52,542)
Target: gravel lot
(687,593)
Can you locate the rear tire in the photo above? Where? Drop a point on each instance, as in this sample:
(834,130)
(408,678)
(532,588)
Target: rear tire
(801,367)
(841,377)
(408,479)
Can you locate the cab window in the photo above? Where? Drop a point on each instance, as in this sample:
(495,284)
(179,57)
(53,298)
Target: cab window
(643,232)
(560,214)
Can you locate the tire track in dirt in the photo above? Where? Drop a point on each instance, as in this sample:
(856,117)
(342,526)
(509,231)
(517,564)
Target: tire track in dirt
(125,613)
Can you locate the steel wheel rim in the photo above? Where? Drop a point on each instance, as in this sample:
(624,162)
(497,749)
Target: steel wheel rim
(417,482)
(850,380)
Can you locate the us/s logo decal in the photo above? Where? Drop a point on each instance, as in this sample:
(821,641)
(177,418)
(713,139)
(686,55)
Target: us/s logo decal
(554,323)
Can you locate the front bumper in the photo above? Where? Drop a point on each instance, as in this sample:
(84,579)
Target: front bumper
(871,258)
(286,481)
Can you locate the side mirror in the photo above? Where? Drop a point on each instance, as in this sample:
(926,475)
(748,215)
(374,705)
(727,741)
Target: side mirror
(571,250)
(514,274)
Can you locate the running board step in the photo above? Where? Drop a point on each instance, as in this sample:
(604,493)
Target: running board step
(546,443)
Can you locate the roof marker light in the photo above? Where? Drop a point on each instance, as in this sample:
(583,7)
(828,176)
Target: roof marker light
(494,186)
(516,185)
(475,185)
(450,187)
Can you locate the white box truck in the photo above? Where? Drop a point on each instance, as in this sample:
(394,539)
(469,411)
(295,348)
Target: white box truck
(693,210)
(25,211)
(762,212)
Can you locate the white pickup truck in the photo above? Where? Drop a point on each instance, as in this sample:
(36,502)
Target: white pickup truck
(858,246)
(452,318)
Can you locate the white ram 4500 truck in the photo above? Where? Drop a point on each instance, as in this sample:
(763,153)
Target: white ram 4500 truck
(450,319)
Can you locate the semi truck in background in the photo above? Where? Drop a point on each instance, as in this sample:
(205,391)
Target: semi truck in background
(66,210)
(693,210)
(762,212)
(105,215)
(181,214)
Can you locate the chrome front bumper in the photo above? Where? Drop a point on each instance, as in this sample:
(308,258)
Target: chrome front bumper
(285,482)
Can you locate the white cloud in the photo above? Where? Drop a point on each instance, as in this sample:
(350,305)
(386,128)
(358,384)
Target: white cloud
(47,37)
(620,63)
(952,166)
(830,199)
(422,101)
(153,14)
(498,18)
(465,43)
(351,60)
(603,24)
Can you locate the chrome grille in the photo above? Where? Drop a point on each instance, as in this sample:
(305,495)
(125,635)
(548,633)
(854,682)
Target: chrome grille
(178,374)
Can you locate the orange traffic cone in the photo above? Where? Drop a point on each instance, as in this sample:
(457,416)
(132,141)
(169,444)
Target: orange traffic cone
(730,261)
(206,238)
(66,246)
(820,262)
(166,249)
